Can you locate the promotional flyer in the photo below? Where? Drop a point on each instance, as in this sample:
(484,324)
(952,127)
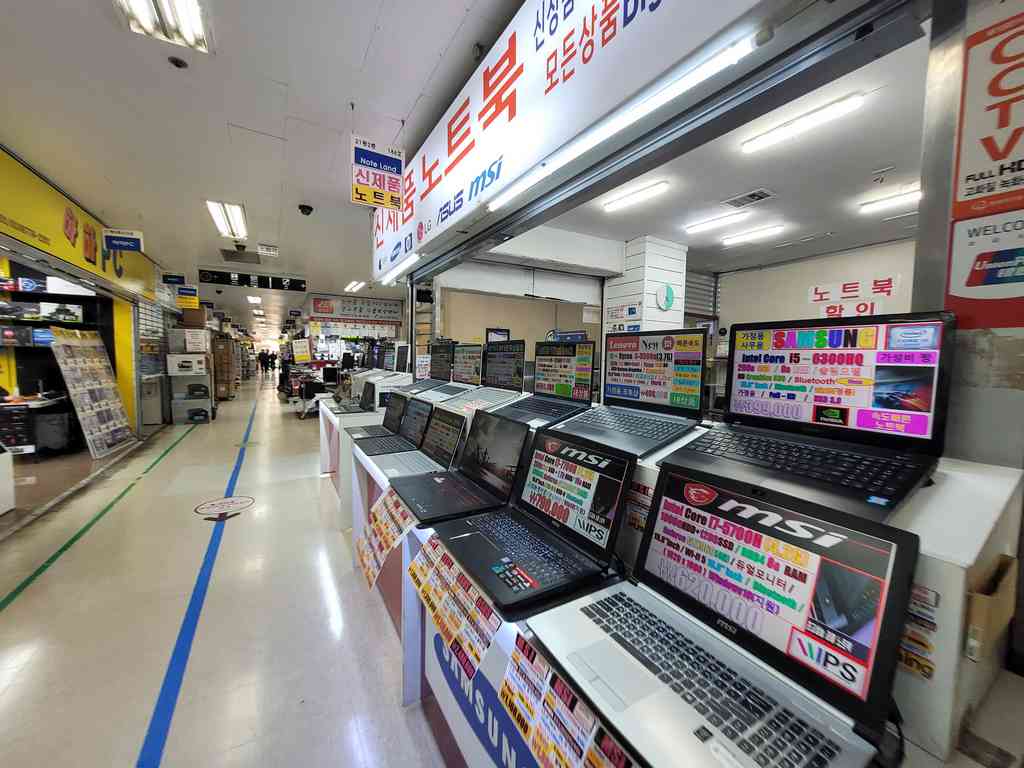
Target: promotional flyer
(655,368)
(564,370)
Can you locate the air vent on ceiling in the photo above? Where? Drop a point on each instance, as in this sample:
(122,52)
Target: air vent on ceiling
(749,198)
(240,257)
(267,251)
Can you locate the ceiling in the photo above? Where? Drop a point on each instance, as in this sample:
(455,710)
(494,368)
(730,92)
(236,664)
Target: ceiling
(820,177)
(265,121)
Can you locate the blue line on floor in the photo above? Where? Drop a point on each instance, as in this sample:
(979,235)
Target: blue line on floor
(160,723)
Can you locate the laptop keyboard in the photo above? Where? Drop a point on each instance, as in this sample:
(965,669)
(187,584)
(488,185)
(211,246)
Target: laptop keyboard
(743,713)
(632,423)
(419,463)
(542,407)
(391,444)
(531,561)
(449,389)
(872,474)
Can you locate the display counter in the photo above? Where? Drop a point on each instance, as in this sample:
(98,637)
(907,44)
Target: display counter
(336,453)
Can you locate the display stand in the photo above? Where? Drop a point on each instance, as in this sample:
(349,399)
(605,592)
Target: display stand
(336,453)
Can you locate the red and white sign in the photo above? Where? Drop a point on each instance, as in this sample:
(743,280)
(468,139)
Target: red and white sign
(356,308)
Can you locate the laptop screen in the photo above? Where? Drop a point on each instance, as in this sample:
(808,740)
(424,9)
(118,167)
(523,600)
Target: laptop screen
(468,359)
(330,374)
(442,438)
(503,364)
(367,396)
(402,364)
(658,371)
(378,356)
(389,357)
(395,411)
(813,590)
(843,377)
(564,369)
(441,360)
(492,452)
(414,423)
(578,487)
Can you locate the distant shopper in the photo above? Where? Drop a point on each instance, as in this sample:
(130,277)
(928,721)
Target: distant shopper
(263,361)
(273,361)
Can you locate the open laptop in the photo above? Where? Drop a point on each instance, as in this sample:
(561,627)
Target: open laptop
(502,377)
(763,628)
(466,362)
(389,357)
(559,533)
(483,479)
(440,444)
(402,358)
(410,433)
(652,386)
(441,354)
(562,384)
(848,413)
(365,404)
(392,420)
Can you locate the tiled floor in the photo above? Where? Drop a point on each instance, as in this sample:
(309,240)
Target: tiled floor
(294,662)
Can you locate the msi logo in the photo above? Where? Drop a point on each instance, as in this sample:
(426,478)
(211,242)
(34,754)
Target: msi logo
(775,521)
(583,457)
(698,495)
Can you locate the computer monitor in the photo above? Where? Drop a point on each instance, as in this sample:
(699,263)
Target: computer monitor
(441,356)
(348,361)
(414,423)
(330,374)
(658,371)
(880,380)
(492,451)
(395,411)
(504,364)
(378,355)
(389,357)
(564,369)
(402,360)
(468,359)
(443,434)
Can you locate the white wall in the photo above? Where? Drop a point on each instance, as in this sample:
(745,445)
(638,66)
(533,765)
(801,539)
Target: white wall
(510,280)
(560,249)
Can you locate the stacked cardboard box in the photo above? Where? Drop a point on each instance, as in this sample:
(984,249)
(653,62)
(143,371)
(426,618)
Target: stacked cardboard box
(224,368)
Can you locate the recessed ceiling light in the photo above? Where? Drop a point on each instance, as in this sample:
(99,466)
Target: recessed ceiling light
(764,233)
(804,123)
(721,221)
(229,219)
(351,285)
(254,299)
(899,216)
(636,196)
(174,21)
(893,201)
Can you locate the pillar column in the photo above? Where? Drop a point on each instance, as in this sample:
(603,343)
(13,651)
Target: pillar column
(649,294)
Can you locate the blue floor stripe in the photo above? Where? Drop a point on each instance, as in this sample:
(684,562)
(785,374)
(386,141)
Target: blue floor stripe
(160,723)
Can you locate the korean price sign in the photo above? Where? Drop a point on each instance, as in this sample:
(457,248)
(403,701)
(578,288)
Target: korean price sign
(376,174)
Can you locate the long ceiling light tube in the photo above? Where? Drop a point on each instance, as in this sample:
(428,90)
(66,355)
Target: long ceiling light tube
(804,123)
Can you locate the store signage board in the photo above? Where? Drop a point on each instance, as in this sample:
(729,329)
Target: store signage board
(376,174)
(557,68)
(246,280)
(300,350)
(294,313)
(123,240)
(187,297)
(172,278)
(356,308)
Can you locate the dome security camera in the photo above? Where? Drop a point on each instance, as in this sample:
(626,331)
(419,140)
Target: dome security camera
(305,209)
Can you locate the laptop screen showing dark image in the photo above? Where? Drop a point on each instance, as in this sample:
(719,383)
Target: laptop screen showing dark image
(395,411)
(442,438)
(367,396)
(414,424)
(441,361)
(504,364)
(468,359)
(492,452)
(402,364)
(565,370)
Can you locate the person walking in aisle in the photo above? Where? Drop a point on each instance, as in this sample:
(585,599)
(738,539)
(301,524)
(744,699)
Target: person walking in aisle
(263,361)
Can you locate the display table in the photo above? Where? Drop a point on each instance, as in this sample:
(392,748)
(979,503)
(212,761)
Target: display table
(336,452)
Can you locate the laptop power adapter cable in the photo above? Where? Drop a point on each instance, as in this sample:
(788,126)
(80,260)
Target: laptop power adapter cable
(892,749)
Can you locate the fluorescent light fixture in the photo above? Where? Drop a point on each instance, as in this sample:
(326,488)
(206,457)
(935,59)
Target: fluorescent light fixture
(174,21)
(893,201)
(721,221)
(358,286)
(624,118)
(637,196)
(351,285)
(804,123)
(254,299)
(764,233)
(390,278)
(229,218)
(259,312)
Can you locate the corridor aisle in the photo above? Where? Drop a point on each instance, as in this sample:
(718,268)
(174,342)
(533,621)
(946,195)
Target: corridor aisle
(294,662)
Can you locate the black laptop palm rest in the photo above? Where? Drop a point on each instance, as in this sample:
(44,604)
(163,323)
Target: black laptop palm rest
(536,564)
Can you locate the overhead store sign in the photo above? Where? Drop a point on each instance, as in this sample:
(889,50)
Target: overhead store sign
(376,174)
(294,313)
(356,308)
(245,280)
(171,278)
(187,297)
(34,213)
(123,240)
(557,68)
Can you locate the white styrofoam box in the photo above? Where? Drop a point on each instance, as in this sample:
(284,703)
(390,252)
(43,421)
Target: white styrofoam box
(186,365)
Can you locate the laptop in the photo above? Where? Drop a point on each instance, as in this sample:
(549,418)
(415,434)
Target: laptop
(365,404)
(559,533)
(848,413)
(440,444)
(410,433)
(392,420)
(652,386)
(765,629)
(389,357)
(562,384)
(330,375)
(483,479)
(466,362)
(441,354)
(402,359)
(502,377)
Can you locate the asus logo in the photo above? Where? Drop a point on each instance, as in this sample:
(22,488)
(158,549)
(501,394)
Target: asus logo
(723,624)
(820,536)
(585,458)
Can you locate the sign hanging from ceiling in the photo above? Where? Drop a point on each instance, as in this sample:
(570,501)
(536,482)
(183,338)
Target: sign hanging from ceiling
(244,280)
(123,240)
(172,278)
(376,174)
(187,297)
(356,308)
(557,69)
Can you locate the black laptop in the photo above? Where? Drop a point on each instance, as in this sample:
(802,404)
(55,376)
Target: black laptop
(652,387)
(846,413)
(410,433)
(392,420)
(562,384)
(558,535)
(483,479)
(442,354)
(365,404)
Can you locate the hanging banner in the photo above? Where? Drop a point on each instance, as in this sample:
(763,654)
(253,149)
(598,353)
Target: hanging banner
(186,297)
(123,240)
(356,308)
(376,174)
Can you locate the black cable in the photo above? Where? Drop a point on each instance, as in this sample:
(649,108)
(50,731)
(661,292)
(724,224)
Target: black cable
(897,718)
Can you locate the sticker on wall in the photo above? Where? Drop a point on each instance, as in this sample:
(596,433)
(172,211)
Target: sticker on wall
(665,297)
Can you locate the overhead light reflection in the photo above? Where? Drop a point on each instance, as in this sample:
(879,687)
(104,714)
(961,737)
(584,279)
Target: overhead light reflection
(329,592)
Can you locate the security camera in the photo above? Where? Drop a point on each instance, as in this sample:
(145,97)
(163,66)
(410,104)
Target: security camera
(305,209)
(219,291)
(239,246)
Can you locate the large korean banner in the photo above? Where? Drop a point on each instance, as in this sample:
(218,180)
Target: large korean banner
(558,68)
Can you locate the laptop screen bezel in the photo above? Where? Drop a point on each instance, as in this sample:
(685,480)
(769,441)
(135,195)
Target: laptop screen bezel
(932,446)
(368,396)
(481,364)
(402,366)
(405,416)
(435,416)
(395,398)
(576,351)
(522,359)
(666,410)
(473,429)
(451,356)
(601,554)
(872,710)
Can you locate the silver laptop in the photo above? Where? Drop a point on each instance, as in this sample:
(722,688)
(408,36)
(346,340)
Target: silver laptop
(440,445)
(760,631)
(502,378)
(466,363)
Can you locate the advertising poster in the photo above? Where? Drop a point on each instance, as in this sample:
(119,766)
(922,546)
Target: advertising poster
(655,368)
(564,370)
(467,360)
(300,351)
(376,174)
(422,366)
(356,308)
(986,271)
(388,522)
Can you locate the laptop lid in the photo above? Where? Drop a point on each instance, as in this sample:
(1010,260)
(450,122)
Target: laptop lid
(441,354)
(575,488)
(565,370)
(493,449)
(881,381)
(819,595)
(504,364)
(468,359)
(389,357)
(443,434)
(395,411)
(378,355)
(368,396)
(402,358)
(414,422)
(330,374)
(657,371)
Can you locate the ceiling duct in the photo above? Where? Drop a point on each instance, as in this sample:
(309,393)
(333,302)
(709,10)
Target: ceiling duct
(240,257)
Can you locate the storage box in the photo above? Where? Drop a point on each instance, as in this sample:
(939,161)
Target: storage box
(990,610)
(193,318)
(185,365)
(191,411)
(188,341)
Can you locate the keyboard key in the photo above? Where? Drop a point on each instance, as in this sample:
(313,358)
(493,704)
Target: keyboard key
(746,746)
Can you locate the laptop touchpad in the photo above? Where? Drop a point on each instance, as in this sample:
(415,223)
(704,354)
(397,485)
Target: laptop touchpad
(626,678)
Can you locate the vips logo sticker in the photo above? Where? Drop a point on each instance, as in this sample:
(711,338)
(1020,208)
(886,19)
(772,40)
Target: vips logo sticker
(698,494)
(822,658)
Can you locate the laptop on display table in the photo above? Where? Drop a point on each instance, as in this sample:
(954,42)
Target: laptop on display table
(849,413)
(652,386)
(410,433)
(402,359)
(758,630)
(466,362)
(441,354)
(559,533)
(390,359)
(483,479)
(365,404)
(440,444)
(502,377)
(562,384)
(392,420)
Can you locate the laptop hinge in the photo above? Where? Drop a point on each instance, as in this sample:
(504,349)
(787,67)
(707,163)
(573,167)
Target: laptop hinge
(870,735)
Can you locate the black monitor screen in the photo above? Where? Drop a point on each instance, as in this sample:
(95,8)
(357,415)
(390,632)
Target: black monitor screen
(442,438)
(330,374)
(441,360)
(417,414)
(367,397)
(395,411)
(492,451)
(504,363)
(402,364)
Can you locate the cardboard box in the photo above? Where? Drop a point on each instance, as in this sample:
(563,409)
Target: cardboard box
(990,610)
(193,318)
(185,365)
